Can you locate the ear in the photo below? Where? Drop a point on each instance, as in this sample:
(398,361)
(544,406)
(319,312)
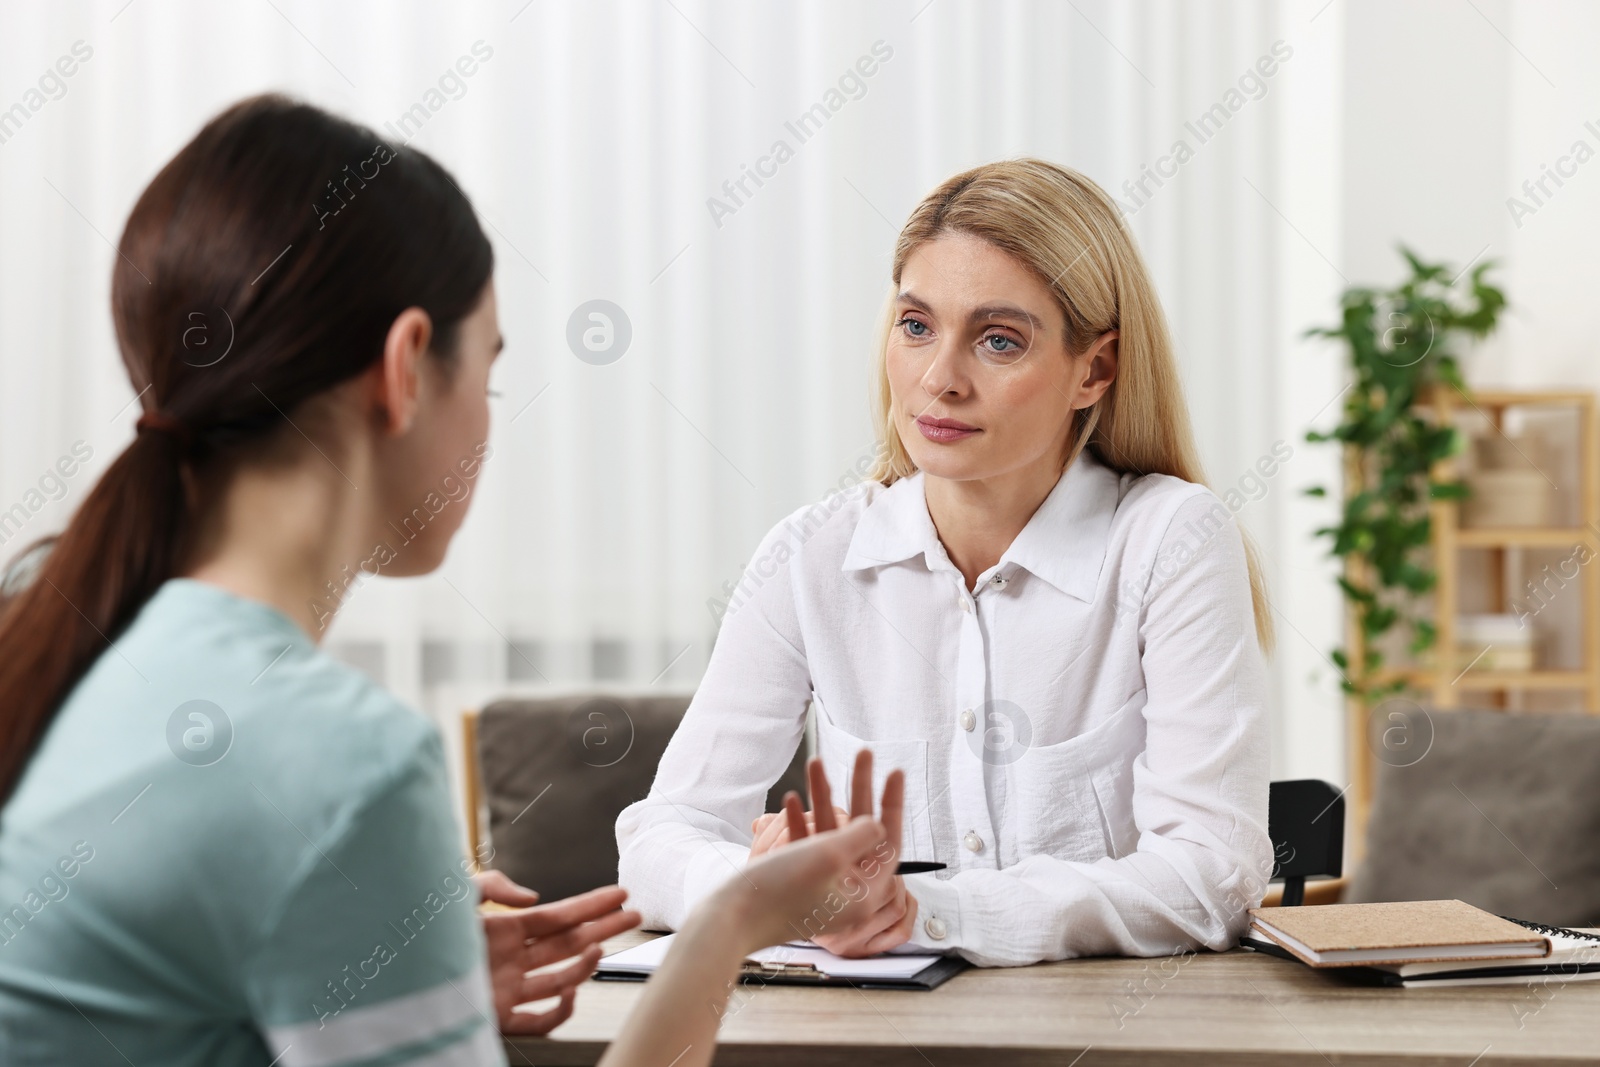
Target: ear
(1099,369)
(395,379)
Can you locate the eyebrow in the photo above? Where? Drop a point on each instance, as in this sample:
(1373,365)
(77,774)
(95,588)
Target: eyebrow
(982,314)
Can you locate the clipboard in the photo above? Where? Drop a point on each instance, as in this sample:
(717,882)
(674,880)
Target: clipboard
(807,969)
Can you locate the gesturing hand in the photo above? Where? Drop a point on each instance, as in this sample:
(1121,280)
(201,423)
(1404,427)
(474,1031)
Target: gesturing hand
(887,915)
(537,936)
(823,879)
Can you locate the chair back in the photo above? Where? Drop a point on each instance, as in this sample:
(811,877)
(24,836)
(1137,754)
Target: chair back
(552,774)
(1305,820)
(1500,809)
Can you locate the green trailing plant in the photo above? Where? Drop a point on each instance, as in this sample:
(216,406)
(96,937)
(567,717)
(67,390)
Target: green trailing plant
(1401,346)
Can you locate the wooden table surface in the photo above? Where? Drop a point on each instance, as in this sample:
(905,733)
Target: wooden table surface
(1237,1009)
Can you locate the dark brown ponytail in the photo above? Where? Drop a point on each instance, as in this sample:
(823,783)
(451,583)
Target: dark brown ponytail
(291,239)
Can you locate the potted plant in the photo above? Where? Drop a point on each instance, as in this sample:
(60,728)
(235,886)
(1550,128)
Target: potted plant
(1401,346)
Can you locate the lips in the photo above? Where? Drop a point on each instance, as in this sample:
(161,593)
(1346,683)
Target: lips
(944,431)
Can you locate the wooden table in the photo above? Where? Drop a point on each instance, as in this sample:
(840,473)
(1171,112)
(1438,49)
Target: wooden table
(1237,1009)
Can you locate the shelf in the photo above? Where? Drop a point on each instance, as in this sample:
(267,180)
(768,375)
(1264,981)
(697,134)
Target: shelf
(1531,536)
(1546,679)
(1434,685)
(1510,398)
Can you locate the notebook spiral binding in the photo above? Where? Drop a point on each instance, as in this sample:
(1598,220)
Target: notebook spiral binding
(1552,931)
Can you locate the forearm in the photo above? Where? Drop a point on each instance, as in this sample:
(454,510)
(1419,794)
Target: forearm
(676,1020)
(1150,903)
(668,865)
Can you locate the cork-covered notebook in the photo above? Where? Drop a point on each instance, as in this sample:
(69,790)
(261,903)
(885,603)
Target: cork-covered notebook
(1344,935)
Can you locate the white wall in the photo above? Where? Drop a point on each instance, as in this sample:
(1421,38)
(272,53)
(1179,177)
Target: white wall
(1551,255)
(1428,105)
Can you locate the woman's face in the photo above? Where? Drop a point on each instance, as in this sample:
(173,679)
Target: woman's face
(440,458)
(981,379)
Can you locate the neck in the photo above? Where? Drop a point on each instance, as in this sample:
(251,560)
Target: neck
(280,535)
(978,519)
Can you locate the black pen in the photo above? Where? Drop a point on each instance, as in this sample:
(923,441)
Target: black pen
(917,867)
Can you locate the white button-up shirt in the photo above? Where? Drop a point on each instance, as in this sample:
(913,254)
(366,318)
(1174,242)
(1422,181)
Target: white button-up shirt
(1083,735)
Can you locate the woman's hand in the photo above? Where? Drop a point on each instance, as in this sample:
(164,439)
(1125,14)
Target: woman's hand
(887,915)
(537,936)
(821,881)
(772,830)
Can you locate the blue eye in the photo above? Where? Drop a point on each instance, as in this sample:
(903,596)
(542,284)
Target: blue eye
(998,350)
(998,344)
(906,324)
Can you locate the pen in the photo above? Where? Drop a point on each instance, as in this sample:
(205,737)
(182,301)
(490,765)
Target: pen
(917,867)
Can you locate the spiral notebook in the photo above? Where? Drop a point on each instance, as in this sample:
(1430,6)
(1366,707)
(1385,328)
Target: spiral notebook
(798,963)
(1574,956)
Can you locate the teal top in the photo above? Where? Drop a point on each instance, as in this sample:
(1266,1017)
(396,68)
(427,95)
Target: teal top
(230,849)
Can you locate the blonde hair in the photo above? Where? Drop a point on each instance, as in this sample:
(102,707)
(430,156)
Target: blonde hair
(1065,229)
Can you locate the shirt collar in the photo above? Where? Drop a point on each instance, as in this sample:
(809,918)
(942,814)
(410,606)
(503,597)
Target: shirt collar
(1064,542)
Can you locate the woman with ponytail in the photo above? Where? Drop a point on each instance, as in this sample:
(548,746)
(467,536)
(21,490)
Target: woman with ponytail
(1034,606)
(218,846)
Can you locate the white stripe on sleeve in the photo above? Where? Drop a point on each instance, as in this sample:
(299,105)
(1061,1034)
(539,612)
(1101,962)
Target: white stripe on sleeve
(387,1026)
(482,1050)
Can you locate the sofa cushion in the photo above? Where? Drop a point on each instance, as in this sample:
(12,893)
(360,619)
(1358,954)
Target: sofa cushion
(556,772)
(1498,809)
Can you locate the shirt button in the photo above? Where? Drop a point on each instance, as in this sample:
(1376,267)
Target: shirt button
(973,842)
(935,928)
(968,720)
(998,582)
(966,605)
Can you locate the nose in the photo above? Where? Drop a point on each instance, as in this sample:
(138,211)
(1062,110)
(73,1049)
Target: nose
(945,376)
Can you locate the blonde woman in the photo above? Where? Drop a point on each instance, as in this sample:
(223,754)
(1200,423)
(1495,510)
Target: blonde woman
(1035,608)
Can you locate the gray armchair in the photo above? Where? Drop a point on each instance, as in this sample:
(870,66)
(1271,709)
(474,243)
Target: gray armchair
(1502,811)
(552,774)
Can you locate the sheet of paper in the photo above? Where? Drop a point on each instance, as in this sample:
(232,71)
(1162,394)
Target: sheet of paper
(640,959)
(645,958)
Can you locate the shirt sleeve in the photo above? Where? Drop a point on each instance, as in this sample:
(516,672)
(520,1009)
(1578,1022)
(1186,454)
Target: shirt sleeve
(692,831)
(1203,856)
(377,954)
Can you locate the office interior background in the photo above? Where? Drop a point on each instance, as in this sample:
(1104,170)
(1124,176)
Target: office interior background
(627,151)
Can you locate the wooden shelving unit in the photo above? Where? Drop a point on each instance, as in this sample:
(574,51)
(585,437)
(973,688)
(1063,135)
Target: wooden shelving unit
(1443,689)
